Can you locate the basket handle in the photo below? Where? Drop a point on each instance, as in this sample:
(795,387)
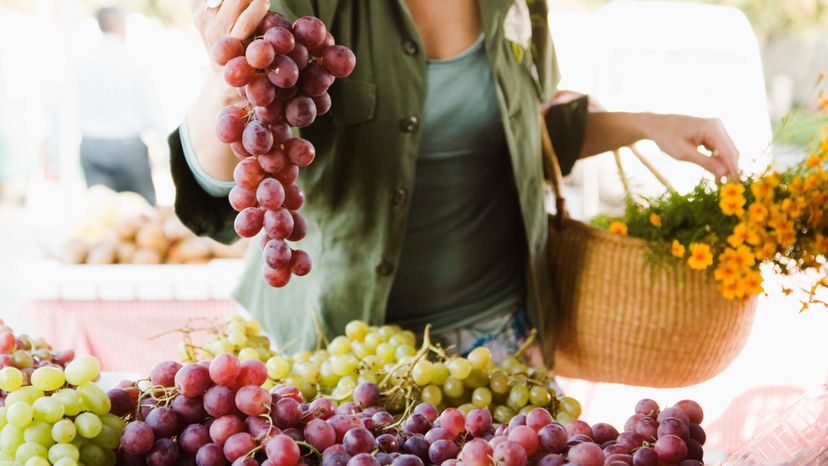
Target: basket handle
(556,176)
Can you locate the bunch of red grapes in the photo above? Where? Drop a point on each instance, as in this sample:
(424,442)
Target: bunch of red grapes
(27,353)
(216,413)
(283,76)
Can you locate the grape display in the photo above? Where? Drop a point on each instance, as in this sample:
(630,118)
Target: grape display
(27,354)
(61,418)
(283,75)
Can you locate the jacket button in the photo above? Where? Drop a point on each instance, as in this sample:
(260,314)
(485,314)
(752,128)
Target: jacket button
(398,196)
(384,268)
(409,47)
(409,124)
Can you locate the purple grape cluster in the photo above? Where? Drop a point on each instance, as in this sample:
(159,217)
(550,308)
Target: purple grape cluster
(283,76)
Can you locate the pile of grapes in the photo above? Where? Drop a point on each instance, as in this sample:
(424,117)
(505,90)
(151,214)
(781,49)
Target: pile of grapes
(27,354)
(405,373)
(217,413)
(283,76)
(62,418)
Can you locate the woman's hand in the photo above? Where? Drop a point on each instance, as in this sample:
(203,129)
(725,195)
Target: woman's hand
(234,18)
(680,136)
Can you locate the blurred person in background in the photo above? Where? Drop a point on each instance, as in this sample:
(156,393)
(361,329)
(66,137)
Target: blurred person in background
(113,111)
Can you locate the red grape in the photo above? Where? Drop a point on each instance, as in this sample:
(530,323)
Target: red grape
(276,278)
(647,428)
(219,400)
(281,133)
(512,454)
(280,39)
(322,408)
(163,453)
(552,438)
(453,421)
(673,426)
(294,197)
(239,151)
(358,440)
(277,254)
(272,20)
(273,113)
(257,138)
(270,194)
(319,434)
(526,437)
(645,456)
(671,449)
(339,61)
(137,438)
(315,80)
(282,451)
(248,174)
(237,72)
(538,418)
(253,400)
(163,374)
(288,175)
(300,56)
(579,427)
(586,454)
(260,91)
(238,445)
(328,42)
(309,31)
(223,427)
(260,54)
(692,409)
(278,224)
(551,459)
(229,128)
(241,198)
(284,73)
(442,450)
(300,111)
(274,161)
(163,421)
(366,394)
(224,369)
(300,152)
(478,422)
(676,413)
(647,407)
(363,459)
(407,460)
(193,380)
(210,455)
(120,400)
(249,222)
(252,372)
(225,49)
(193,437)
(323,103)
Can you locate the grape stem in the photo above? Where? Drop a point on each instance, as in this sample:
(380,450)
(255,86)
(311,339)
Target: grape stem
(530,340)
(313,450)
(320,335)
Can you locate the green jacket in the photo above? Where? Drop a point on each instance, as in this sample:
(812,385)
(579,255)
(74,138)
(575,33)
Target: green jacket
(357,189)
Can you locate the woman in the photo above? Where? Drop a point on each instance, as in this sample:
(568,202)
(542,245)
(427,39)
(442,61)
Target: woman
(425,202)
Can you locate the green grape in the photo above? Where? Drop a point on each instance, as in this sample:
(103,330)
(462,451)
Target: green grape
(539,396)
(453,388)
(372,341)
(348,382)
(253,327)
(10,378)
(397,340)
(525,410)
(481,397)
(503,414)
(309,390)
(248,354)
(432,394)
(307,371)
(82,369)
(518,396)
(499,382)
(28,450)
(326,374)
(65,462)
(356,330)
(114,422)
(302,356)
(108,438)
(358,349)
(293,380)
(71,401)
(92,455)
(48,379)
(63,431)
(264,353)
(94,398)
(372,363)
(459,368)
(366,377)
(216,347)
(440,374)
(277,367)
(520,368)
(3,420)
(386,352)
(11,437)
(269,384)
(20,414)
(466,408)
(339,345)
(63,450)
(27,394)
(237,338)
(39,432)
(409,337)
(237,327)
(37,461)
(570,406)
(88,425)
(388,331)
(22,360)
(48,409)
(477,378)
(479,358)
(422,371)
(404,351)
(344,364)
(110,458)
(564,418)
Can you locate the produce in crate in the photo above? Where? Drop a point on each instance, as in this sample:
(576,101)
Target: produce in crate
(153,237)
(63,418)
(283,75)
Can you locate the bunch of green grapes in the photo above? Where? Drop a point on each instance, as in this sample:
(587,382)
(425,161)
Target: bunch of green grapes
(237,336)
(62,418)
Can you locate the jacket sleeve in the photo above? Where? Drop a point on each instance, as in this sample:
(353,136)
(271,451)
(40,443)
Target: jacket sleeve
(201,212)
(567,125)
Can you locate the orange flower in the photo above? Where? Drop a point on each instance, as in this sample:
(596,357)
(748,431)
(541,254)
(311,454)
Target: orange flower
(814,161)
(752,284)
(732,206)
(739,235)
(677,249)
(767,251)
(618,228)
(700,256)
(655,220)
(726,273)
(757,212)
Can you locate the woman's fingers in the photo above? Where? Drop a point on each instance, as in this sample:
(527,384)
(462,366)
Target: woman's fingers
(229,13)
(248,20)
(714,165)
(718,141)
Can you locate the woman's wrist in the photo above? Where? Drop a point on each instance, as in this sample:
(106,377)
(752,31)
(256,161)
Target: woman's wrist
(214,157)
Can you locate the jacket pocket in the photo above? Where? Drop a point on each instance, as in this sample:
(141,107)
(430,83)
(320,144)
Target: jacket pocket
(352,102)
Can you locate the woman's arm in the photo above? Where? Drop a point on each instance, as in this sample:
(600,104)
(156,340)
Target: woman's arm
(679,136)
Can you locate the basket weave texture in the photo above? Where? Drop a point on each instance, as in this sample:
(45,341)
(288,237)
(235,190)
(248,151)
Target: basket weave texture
(621,320)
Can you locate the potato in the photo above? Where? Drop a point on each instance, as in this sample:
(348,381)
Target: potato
(146,256)
(126,228)
(151,236)
(74,252)
(174,230)
(193,249)
(224,251)
(101,254)
(124,252)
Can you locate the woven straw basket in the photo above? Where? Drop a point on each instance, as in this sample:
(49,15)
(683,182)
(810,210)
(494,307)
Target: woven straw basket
(622,320)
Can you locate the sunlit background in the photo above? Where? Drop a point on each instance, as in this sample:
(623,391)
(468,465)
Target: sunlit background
(752,63)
